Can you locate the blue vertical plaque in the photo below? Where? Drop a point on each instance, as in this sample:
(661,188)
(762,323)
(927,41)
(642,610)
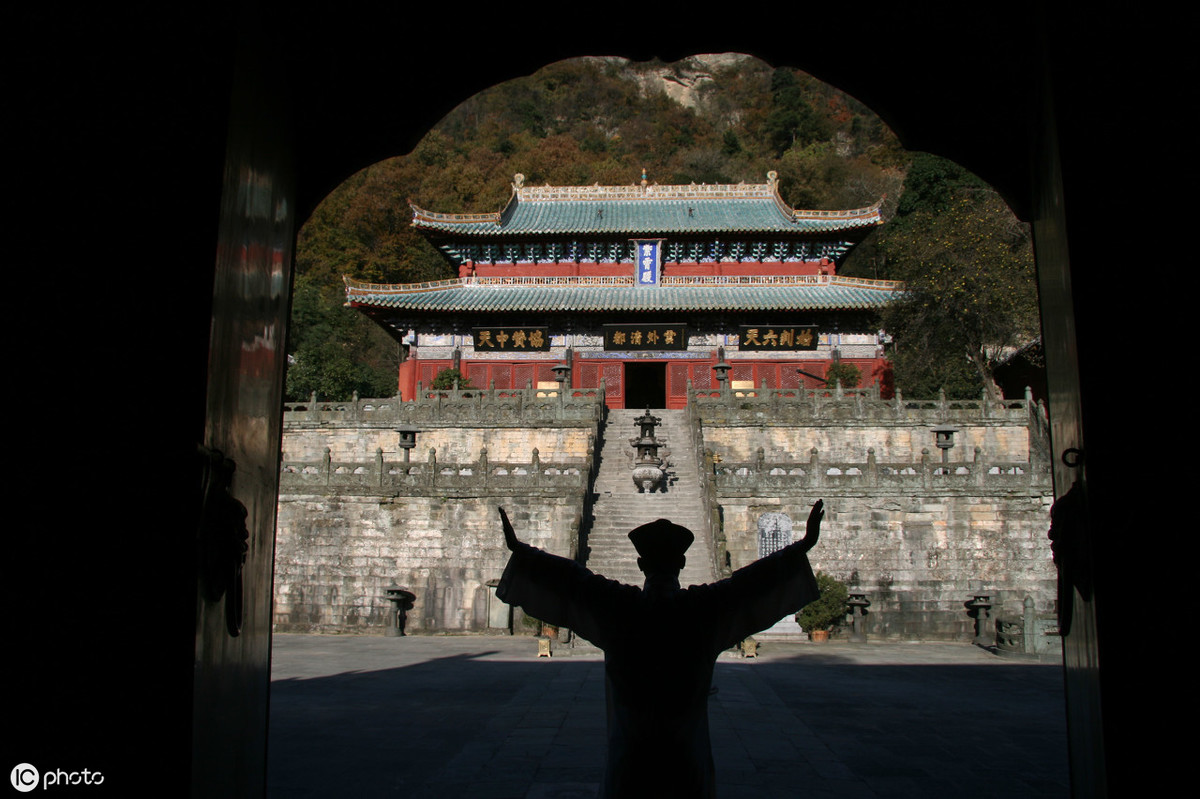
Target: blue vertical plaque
(649,261)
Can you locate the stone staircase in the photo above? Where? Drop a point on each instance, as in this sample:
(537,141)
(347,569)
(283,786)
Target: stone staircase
(618,507)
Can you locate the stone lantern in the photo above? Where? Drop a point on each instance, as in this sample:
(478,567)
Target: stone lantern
(562,374)
(648,473)
(721,368)
(408,438)
(402,602)
(943,436)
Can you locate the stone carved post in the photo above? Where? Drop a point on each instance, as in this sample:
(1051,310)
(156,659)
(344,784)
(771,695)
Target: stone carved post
(872,467)
(536,465)
(980,607)
(327,465)
(925,467)
(483,466)
(379,464)
(815,476)
(1029,622)
(433,467)
(979,467)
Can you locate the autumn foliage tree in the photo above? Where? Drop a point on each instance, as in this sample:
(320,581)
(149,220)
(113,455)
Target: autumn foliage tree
(968,266)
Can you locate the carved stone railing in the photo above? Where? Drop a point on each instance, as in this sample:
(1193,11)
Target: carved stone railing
(379,476)
(772,478)
(524,407)
(790,406)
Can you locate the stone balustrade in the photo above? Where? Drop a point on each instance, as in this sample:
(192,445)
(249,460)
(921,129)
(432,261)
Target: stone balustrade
(413,478)
(790,406)
(928,475)
(528,407)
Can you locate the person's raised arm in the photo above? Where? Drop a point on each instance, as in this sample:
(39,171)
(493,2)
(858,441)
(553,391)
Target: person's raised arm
(813,530)
(510,535)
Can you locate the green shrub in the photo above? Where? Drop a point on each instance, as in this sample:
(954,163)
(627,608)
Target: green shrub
(445,380)
(829,610)
(845,373)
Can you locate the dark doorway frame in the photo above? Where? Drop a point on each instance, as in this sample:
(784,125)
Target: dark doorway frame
(646,384)
(1014,97)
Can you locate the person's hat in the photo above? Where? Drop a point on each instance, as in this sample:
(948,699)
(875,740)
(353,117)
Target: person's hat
(661,541)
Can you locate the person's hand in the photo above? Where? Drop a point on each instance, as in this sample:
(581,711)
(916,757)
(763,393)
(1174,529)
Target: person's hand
(813,532)
(510,535)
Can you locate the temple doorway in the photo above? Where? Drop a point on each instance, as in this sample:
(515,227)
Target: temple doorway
(645,385)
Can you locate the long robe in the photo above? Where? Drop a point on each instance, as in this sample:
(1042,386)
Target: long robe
(660,644)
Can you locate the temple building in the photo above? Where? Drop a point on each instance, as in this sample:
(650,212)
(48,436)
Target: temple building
(643,287)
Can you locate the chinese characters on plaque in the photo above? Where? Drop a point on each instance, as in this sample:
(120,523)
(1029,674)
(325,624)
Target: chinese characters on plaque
(648,261)
(777,337)
(529,339)
(645,337)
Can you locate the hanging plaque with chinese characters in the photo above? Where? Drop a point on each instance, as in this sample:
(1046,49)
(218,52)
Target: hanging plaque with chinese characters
(645,337)
(648,261)
(509,339)
(778,337)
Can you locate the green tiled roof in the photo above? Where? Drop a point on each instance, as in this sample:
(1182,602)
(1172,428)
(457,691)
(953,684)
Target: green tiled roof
(549,295)
(645,210)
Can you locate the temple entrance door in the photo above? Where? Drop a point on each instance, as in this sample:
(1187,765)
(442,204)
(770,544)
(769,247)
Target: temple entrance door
(645,385)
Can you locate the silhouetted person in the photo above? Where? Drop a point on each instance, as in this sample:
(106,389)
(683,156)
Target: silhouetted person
(660,643)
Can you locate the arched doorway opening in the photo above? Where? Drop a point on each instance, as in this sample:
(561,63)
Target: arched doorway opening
(1030,198)
(644,380)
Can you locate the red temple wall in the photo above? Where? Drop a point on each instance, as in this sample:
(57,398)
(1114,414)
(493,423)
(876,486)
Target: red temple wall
(588,373)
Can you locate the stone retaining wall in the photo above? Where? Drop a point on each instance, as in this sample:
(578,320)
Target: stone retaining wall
(335,556)
(355,517)
(918,535)
(917,557)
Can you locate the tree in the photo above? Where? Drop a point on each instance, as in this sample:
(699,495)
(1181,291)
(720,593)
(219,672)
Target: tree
(335,351)
(449,379)
(847,375)
(971,295)
(792,121)
(829,609)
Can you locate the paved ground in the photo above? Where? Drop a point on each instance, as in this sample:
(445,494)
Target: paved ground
(482,717)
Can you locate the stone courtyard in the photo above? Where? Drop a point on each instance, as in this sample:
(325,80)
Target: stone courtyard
(432,717)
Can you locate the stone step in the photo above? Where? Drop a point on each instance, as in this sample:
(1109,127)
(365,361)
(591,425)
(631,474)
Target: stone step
(619,507)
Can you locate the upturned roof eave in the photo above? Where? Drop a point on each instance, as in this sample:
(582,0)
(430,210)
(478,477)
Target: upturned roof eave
(455,296)
(495,225)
